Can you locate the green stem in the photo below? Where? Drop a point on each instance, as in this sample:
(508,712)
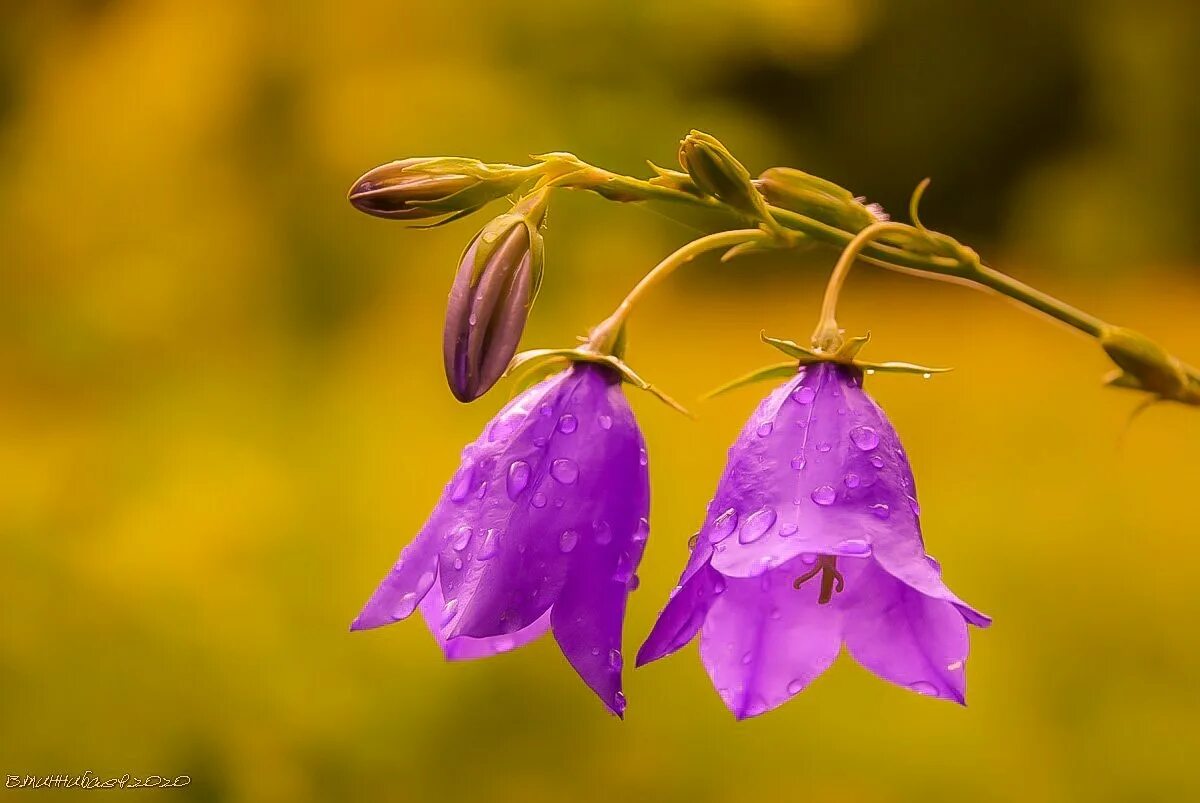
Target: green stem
(604,336)
(1032,297)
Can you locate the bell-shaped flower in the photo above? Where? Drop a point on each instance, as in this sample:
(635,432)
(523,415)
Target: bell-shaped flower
(814,540)
(541,528)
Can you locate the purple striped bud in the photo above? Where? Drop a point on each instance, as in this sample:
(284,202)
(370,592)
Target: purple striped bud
(493,291)
(431,187)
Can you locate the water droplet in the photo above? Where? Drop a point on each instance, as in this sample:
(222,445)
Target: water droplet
(881,511)
(877,461)
(824,446)
(854,547)
(615,660)
(540,441)
(619,702)
(870,372)
(724,526)
(458,564)
(804,394)
(564,470)
(864,438)
(764,429)
(503,644)
(504,428)
(449,611)
(482,492)
(776,614)
(408,604)
(756,525)
(538,500)
(634,582)
(624,568)
(798,463)
(719,584)
(546,410)
(824,495)
(954,667)
(461,537)
(605,421)
(747,658)
(808,558)
(568,540)
(924,687)
(491,544)
(795,687)
(914,506)
(926,375)
(602,532)
(595,650)
(788,530)
(424,583)
(518,478)
(568,424)
(852,480)
(462,484)
(472,319)
(642,533)
(643,458)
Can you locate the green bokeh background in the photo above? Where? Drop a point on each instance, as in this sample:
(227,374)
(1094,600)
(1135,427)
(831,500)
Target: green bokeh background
(222,409)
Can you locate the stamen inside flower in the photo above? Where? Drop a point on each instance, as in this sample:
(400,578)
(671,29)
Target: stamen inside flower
(831,578)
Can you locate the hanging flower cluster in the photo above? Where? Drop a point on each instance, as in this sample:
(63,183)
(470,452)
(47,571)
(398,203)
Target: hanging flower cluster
(813,537)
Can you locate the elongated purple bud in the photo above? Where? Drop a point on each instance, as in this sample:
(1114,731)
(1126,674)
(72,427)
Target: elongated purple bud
(490,300)
(432,187)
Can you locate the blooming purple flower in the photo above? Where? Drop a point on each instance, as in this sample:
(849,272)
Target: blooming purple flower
(813,539)
(542,528)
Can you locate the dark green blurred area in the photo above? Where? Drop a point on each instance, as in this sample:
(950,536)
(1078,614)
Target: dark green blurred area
(222,410)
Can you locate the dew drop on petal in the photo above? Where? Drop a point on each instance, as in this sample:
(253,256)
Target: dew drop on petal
(619,702)
(408,604)
(724,526)
(756,525)
(624,569)
(568,424)
(568,540)
(852,480)
(954,667)
(458,564)
(788,530)
(924,687)
(864,438)
(605,421)
(795,687)
(546,410)
(449,611)
(615,659)
(804,395)
(503,644)
(747,658)
(491,544)
(642,533)
(877,461)
(764,429)
(602,532)
(643,458)
(540,441)
(719,584)
(854,547)
(881,511)
(798,463)
(824,446)
(461,537)
(538,500)
(634,582)
(424,583)
(808,558)
(462,484)
(914,506)
(518,478)
(776,614)
(564,470)
(824,495)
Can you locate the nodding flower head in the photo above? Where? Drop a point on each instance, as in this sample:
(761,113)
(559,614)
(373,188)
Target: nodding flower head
(541,528)
(814,540)
(422,188)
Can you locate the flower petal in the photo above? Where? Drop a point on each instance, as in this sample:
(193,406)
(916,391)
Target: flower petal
(683,615)
(764,641)
(904,636)
(440,616)
(409,580)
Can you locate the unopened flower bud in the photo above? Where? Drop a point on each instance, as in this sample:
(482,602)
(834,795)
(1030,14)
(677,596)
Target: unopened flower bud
(717,173)
(816,198)
(431,187)
(493,291)
(1145,364)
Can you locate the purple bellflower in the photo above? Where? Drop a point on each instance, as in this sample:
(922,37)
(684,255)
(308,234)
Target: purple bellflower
(814,540)
(542,528)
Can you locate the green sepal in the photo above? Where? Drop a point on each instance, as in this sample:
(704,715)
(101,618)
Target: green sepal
(899,368)
(777,371)
(537,358)
(847,354)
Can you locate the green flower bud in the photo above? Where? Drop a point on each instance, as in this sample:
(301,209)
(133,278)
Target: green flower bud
(715,172)
(817,198)
(1144,364)
(432,187)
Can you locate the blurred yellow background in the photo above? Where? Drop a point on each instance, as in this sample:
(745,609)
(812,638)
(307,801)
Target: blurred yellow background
(222,409)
